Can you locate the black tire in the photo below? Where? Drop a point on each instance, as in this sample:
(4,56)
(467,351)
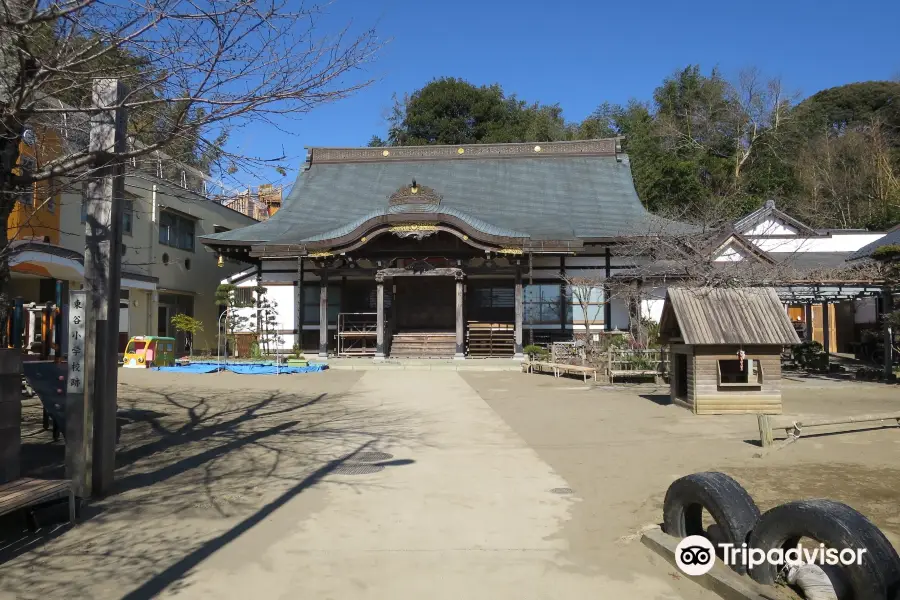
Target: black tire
(837,526)
(729,504)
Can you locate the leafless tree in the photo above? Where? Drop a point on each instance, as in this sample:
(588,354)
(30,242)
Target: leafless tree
(706,252)
(759,108)
(850,177)
(585,291)
(192,70)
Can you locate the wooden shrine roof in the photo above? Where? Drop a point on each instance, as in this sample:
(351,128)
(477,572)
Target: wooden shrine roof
(733,316)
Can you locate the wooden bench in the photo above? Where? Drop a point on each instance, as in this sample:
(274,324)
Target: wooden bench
(559,369)
(634,373)
(27,492)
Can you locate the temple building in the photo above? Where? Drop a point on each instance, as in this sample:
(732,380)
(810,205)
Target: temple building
(470,250)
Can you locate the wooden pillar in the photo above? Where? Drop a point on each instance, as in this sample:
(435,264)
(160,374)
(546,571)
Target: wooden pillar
(826,328)
(886,308)
(102,271)
(258,302)
(460,326)
(607,306)
(379,316)
(299,308)
(809,321)
(518,355)
(10,413)
(531,283)
(323,314)
(564,291)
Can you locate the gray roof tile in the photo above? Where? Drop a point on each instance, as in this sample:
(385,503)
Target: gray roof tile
(891,237)
(545,198)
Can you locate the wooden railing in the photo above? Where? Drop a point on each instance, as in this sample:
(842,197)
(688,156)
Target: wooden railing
(627,362)
(615,362)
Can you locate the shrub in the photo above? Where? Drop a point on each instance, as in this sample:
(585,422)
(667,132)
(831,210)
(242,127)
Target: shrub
(810,355)
(535,351)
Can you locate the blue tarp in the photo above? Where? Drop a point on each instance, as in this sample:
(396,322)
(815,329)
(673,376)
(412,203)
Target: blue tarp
(242,369)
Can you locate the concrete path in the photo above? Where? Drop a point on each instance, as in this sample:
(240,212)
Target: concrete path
(463,510)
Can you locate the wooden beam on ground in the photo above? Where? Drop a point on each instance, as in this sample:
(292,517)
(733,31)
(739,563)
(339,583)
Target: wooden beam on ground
(720,579)
(794,429)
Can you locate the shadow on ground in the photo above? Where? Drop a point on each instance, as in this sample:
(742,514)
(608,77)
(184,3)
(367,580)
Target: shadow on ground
(197,468)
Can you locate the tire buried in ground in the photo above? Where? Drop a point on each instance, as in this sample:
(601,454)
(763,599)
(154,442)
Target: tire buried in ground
(729,504)
(837,526)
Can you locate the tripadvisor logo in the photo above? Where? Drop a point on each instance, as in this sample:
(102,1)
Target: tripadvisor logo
(695,555)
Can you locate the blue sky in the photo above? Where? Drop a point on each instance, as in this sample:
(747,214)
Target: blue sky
(579,53)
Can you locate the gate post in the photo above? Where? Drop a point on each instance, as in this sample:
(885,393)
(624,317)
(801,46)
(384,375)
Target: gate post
(517,353)
(460,328)
(379,316)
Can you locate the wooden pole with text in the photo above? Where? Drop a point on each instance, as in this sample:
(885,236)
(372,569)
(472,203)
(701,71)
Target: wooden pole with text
(102,270)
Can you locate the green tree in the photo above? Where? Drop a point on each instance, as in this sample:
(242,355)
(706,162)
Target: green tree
(227,298)
(454,111)
(190,327)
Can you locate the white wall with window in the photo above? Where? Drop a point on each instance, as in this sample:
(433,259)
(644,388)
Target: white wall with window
(177,231)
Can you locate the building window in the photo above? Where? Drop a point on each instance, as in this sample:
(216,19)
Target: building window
(733,372)
(51,196)
(311,304)
(588,305)
(243,296)
(127,216)
(176,231)
(84,202)
(542,303)
(27,165)
(495,297)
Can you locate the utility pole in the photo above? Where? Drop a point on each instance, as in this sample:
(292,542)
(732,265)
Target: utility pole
(102,271)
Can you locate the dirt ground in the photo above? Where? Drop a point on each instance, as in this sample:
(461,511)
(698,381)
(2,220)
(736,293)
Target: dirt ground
(620,448)
(198,454)
(202,455)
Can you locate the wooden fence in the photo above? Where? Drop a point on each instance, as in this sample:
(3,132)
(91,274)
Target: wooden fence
(614,362)
(628,362)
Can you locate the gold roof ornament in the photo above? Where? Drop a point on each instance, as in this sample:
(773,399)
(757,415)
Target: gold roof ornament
(413,227)
(414,230)
(514,251)
(320,254)
(414,194)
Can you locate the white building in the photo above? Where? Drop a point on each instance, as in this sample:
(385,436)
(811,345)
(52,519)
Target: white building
(165,270)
